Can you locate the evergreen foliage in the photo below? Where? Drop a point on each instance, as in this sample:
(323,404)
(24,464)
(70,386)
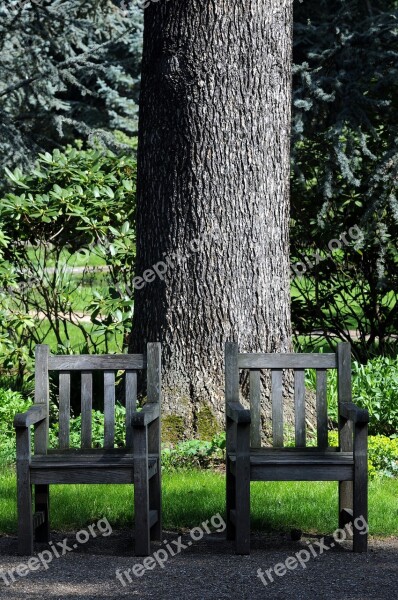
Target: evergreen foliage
(345,161)
(67,69)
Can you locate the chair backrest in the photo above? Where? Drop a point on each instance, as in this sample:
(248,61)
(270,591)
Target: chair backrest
(111,366)
(276,363)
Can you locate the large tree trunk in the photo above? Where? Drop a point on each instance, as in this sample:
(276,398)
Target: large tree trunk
(213,165)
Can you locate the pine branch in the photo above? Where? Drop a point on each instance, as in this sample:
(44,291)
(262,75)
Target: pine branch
(65,64)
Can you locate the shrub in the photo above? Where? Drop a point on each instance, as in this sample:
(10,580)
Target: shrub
(382,454)
(74,204)
(11,403)
(374,387)
(195,453)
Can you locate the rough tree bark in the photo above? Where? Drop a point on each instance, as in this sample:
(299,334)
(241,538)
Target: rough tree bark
(213,165)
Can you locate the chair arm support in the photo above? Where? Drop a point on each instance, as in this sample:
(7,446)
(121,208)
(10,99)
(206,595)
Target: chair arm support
(238,413)
(352,412)
(146,416)
(33,415)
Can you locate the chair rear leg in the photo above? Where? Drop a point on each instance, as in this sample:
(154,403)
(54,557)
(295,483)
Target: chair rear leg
(155,503)
(230,500)
(141,507)
(345,503)
(42,504)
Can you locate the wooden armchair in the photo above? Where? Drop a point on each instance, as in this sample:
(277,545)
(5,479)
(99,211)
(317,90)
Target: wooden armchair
(248,461)
(138,462)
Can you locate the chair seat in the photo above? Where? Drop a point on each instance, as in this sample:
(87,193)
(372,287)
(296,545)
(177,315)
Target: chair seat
(86,466)
(292,464)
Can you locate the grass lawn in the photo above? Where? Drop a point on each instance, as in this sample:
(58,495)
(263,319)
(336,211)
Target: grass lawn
(76,338)
(78,259)
(79,290)
(190,497)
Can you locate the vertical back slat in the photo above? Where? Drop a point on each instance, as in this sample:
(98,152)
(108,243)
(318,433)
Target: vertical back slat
(255,408)
(87,408)
(131,404)
(42,396)
(64,409)
(299,407)
(277,408)
(109,409)
(321,408)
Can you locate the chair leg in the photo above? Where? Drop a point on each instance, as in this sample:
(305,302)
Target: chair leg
(360,543)
(24,493)
(230,500)
(360,524)
(345,502)
(25,516)
(242,499)
(141,507)
(155,498)
(42,504)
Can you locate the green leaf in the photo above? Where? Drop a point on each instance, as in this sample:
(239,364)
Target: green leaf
(128,185)
(15,179)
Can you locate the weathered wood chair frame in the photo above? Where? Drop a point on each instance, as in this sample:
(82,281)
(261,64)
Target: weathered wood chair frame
(247,461)
(138,462)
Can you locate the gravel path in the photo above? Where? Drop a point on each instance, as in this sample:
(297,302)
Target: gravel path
(207,570)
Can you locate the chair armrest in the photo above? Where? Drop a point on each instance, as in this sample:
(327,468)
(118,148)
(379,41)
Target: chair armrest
(238,413)
(352,412)
(33,415)
(147,415)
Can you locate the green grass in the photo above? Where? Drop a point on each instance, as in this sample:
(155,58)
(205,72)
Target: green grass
(76,338)
(78,290)
(78,259)
(190,497)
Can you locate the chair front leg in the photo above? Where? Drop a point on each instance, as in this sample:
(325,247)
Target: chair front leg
(155,483)
(141,491)
(24,493)
(230,479)
(360,525)
(242,489)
